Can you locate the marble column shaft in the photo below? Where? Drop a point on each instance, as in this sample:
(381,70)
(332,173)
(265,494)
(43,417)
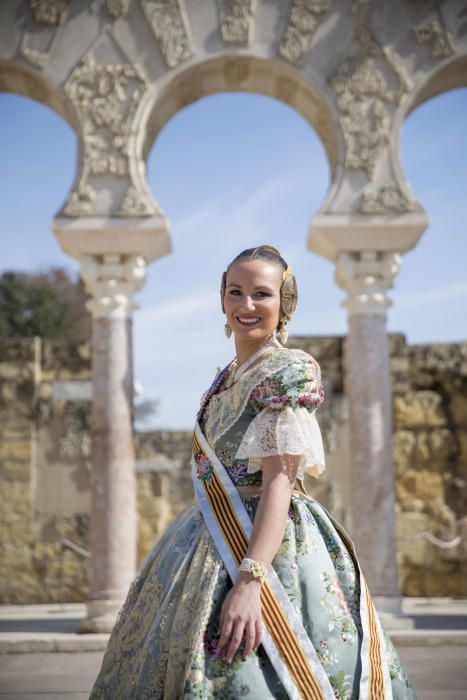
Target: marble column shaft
(366,276)
(112,281)
(372,498)
(113,500)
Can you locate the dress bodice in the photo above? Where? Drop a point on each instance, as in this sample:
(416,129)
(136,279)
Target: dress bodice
(269,410)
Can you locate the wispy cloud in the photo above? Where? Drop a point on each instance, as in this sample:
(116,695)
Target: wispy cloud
(430,296)
(177,311)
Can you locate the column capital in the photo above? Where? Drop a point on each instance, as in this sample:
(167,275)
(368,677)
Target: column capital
(149,237)
(331,233)
(112,280)
(366,276)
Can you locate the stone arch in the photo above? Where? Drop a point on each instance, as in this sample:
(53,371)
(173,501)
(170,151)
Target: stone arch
(351,68)
(246,73)
(26,82)
(450,75)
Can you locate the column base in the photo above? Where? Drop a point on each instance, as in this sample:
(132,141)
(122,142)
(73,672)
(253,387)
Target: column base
(101,616)
(390,613)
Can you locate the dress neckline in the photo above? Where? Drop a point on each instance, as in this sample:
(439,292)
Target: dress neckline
(250,361)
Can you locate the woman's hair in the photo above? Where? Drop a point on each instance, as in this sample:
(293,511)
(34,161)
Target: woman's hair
(288,290)
(264,252)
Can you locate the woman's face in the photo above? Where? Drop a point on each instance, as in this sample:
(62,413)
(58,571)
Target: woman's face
(252,298)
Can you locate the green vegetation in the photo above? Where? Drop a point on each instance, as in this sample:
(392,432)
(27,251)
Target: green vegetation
(47,304)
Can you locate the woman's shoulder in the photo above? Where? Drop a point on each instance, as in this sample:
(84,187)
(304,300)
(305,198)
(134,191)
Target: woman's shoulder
(283,358)
(293,380)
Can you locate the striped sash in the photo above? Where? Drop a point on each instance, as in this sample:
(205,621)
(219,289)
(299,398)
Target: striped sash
(284,638)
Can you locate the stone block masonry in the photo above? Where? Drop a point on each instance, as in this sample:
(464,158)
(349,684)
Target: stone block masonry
(45,466)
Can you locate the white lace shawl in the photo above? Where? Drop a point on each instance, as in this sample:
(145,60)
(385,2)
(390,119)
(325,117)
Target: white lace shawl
(288,431)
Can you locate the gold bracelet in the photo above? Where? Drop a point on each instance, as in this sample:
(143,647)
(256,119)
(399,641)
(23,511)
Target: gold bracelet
(256,568)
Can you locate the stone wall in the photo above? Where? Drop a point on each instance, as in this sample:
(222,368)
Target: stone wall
(45,466)
(430,453)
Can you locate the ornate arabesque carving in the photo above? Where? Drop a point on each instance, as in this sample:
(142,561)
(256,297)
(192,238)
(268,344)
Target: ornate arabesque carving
(170,26)
(386,197)
(80,201)
(236,21)
(36,46)
(34,56)
(118,8)
(364,92)
(435,35)
(106,99)
(49,12)
(366,276)
(303,19)
(134,205)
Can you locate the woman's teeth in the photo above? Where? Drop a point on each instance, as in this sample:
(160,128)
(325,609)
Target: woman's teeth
(248,321)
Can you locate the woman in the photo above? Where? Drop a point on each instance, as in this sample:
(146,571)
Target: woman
(255,591)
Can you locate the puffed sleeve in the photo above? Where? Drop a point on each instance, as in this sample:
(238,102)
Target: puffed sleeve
(285,422)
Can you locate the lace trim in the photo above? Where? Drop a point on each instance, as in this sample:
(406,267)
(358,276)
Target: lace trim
(226,407)
(289,431)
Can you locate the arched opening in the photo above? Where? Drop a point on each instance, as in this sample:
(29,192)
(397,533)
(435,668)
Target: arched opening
(37,167)
(231,171)
(246,73)
(431,291)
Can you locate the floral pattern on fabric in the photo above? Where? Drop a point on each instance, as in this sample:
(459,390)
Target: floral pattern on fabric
(285,423)
(204,467)
(297,384)
(164,643)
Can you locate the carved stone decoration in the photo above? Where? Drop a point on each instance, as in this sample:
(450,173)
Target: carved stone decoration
(169,24)
(76,443)
(236,21)
(364,92)
(112,282)
(436,36)
(36,45)
(118,8)
(106,98)
(134,204)
(366,276)
(80,201)
(304,17)
(388,197)
(34,56)
(49,12)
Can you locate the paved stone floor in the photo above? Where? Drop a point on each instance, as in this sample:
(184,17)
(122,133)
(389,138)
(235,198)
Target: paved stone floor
(437,673)
(438,670)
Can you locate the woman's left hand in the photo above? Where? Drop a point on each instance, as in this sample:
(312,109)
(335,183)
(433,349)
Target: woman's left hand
(241,616)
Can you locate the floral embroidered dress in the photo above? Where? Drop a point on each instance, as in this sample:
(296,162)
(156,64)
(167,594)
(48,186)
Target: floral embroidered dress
(164,643)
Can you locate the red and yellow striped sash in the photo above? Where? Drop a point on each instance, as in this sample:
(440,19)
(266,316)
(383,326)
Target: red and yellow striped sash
(376,690)
(277,624)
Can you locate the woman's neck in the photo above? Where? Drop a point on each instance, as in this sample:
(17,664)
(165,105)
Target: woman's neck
(246,350)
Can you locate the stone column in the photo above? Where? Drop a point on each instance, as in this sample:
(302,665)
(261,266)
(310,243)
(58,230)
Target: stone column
(366,276)
(112,281)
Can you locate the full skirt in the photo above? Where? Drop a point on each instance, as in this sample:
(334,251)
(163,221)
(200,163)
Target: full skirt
(164,642)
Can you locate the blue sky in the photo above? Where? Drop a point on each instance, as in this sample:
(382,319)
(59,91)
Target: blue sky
(232,171)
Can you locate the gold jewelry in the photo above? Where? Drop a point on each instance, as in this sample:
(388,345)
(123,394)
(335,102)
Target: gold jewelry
(287,273)
(283,334)
(227,330)
(256,568)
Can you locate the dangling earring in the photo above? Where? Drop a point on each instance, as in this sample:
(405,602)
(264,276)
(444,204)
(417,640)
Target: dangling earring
(283,332)
(227,330)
